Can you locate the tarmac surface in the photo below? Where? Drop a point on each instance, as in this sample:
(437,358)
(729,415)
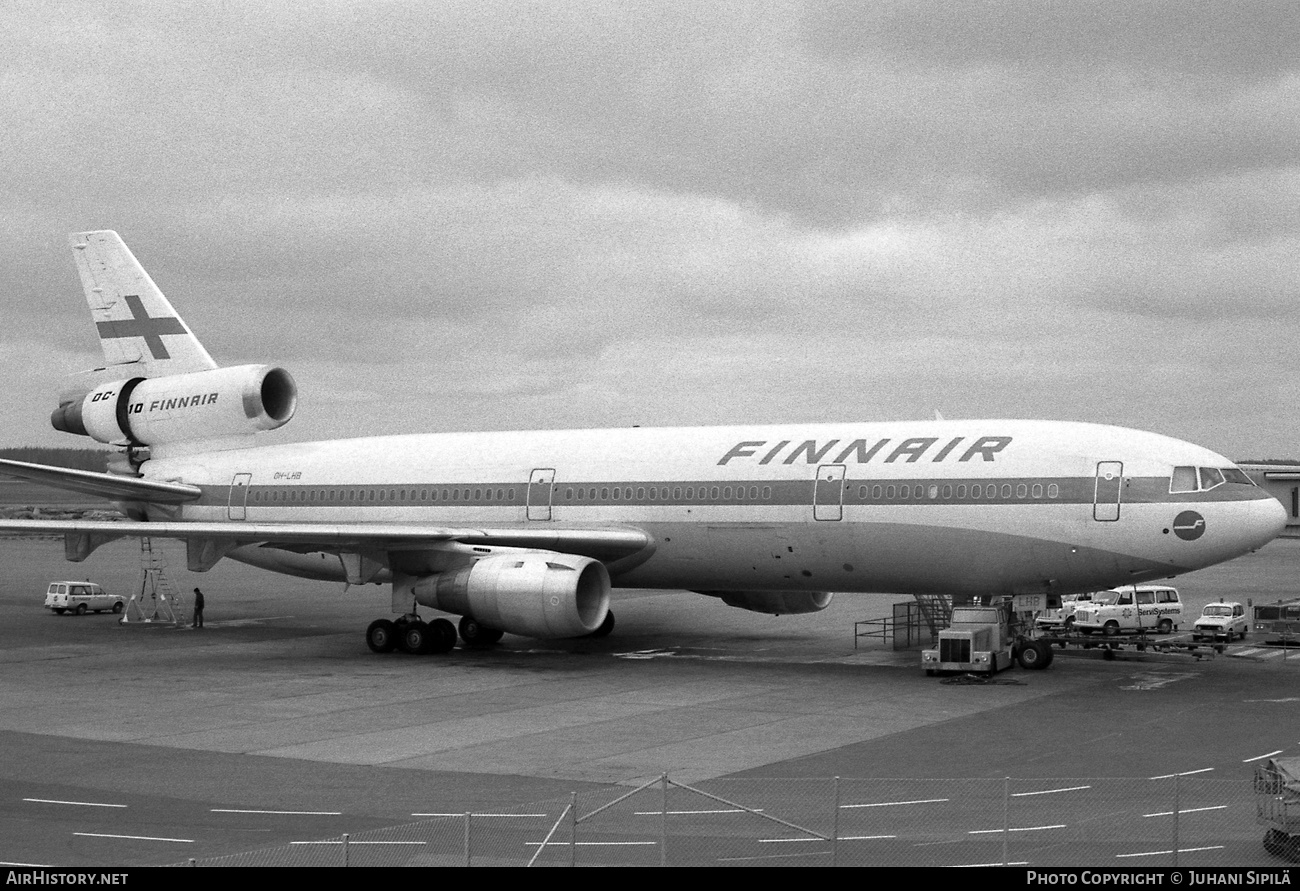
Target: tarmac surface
(149,744)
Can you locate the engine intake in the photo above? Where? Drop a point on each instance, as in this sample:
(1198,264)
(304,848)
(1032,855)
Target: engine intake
(775,602)
(182,407)
(534,593)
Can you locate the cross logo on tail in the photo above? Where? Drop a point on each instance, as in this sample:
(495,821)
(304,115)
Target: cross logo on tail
(141,324)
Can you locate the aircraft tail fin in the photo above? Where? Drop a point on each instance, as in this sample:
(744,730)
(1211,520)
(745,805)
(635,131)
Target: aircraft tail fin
(136,324)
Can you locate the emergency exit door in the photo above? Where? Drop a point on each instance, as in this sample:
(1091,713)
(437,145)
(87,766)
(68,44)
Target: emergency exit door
(1108,491)
(236,507)
(828,493)
(540,486)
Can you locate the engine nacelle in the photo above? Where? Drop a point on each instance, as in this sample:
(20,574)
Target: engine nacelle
(534,593)
(182,407)
(777,603)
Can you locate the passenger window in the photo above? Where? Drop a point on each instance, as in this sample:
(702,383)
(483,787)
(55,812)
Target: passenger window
(1146,598)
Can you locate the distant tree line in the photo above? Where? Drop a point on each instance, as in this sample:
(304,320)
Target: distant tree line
(1269,461)
(78,459)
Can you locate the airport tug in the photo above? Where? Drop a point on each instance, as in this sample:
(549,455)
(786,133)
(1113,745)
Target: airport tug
(987,638)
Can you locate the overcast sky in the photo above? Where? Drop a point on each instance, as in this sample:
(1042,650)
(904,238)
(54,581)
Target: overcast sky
(496,215)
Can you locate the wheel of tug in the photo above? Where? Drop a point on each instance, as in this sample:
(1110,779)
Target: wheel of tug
(442,636)
(381,636)
(81,609)
(605,627)
(1034,655)
(415,638)
(1166,626)
(476,635)
(1111,629)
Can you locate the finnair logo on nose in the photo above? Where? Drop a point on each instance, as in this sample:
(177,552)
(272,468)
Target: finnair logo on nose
(1189,525)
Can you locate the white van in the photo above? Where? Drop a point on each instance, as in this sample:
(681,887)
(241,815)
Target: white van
(81,598)
(1132,608)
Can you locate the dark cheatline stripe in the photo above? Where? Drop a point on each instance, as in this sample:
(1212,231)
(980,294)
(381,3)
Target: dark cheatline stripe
(645,493)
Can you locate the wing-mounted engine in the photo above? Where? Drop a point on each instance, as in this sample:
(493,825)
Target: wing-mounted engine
(196,407)
(534,593)
(777,603)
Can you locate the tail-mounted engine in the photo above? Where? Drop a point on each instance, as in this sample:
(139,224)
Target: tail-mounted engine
(777,603)
(533,593)
(182,407)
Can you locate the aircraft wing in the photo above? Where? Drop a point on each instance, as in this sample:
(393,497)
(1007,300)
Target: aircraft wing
(101,485)
(207,541)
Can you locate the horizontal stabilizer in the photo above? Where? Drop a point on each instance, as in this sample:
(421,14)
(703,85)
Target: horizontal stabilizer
(101,485)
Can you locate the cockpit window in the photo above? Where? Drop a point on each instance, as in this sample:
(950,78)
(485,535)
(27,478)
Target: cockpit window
(1201,479)
(1183,480)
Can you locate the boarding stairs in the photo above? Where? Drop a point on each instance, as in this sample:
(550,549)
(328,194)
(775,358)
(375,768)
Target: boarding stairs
(158,601)
(936,611)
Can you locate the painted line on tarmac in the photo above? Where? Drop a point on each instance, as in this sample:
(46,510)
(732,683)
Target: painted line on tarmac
(1190,810)
(1049,791)
(462,814)
(76,803)
(896,803)
(1185,773)
(186,841)
(1168,852)
(734,810)
(1262,757)
(231,810)
(1016,829)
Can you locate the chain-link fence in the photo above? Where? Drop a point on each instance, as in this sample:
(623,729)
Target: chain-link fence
(1194,820)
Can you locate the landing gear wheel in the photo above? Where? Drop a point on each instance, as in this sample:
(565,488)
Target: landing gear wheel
(476,635)
(605,627)
(381,636)
(1165,627)
(1034,655)
(442,636)
(415,638)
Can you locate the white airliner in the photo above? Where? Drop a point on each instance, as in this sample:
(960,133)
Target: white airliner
(525,532)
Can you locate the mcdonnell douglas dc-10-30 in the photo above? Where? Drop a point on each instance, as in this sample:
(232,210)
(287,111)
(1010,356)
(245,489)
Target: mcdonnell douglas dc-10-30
(526,532)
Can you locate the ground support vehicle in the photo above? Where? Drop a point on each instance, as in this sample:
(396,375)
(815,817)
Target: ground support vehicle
(985,639)
(81,598)
(1132,608)
(1142,642)
(1277,806)
(1278,623)
(1221,621)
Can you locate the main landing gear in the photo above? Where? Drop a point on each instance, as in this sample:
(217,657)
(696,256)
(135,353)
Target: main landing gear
(411,635)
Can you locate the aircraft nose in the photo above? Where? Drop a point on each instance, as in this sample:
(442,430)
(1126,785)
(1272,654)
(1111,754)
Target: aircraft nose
(1265,522)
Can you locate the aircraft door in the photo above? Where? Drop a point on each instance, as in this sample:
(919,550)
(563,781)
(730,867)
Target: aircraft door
(239,496)
(828,493)
(1106,495)
(540,487)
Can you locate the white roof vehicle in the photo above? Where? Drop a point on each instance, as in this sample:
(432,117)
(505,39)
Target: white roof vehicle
(1052,618)
(1133,608)
(1221,621)
(81,598)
